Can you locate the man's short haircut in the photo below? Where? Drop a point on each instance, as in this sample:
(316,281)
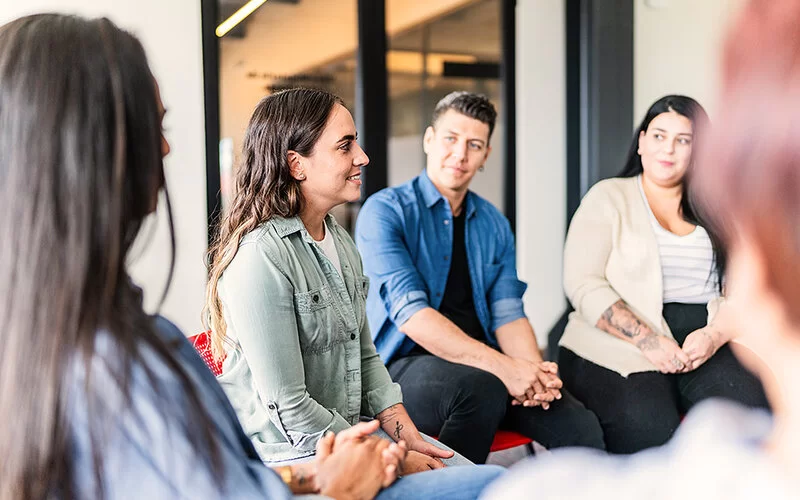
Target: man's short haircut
(476,106)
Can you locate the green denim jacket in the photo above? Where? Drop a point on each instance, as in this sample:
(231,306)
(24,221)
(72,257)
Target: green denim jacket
(301,359)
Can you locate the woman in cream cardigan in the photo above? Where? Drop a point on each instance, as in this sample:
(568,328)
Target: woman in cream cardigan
(645,277)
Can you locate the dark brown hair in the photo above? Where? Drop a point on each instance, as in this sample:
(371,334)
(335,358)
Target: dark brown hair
(80,168)
(476,106)
(291,120)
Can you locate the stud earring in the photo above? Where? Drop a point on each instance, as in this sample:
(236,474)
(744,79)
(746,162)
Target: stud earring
(480,169)
(301,177)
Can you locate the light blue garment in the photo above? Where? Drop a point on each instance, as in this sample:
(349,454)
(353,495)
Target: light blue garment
(147,454)
(301,360)
(450,483)
(405,236)
(718,453)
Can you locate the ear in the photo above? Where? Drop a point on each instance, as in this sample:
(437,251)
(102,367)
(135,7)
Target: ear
(486,156)
(427,139)
(641,139)
(296,166)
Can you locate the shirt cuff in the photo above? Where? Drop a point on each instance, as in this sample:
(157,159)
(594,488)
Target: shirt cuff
(377,400)
(505,311)
(408,305)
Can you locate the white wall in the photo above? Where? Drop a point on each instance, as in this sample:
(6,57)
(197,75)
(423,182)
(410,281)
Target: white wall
(170,32)
(676,49)
(541,158)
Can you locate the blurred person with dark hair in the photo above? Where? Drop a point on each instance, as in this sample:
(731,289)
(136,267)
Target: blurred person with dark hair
(98,398)
(445,305)
(749,191)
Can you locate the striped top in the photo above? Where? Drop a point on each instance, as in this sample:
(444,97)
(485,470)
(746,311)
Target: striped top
(687,263)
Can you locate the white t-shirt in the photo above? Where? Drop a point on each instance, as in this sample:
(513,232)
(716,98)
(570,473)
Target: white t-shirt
(328,247)
(687,263)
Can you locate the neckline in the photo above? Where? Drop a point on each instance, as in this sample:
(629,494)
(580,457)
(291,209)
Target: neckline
(654,220)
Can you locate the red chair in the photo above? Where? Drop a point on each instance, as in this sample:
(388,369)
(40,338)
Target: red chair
(503,440)
(202,344)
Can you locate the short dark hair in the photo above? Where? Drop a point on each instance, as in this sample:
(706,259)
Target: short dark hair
(476,106)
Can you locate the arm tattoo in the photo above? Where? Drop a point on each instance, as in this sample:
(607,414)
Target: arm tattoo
(397,429)
(301,477)
(621,321)
(648,343)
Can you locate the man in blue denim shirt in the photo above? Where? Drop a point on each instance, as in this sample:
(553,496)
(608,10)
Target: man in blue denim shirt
(445,304)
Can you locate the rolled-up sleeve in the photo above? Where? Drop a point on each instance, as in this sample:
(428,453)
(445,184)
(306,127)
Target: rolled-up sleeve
(586,253)
(505,294)
(379,234)
(259,304)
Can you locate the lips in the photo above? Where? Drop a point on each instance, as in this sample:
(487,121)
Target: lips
(665,163)
(355,178)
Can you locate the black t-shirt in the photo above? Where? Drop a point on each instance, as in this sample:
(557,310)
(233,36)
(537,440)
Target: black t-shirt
(457,304)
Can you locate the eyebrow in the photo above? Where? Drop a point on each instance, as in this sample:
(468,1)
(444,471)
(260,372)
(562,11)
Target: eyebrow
(682,133)
(453,132)
(348,137)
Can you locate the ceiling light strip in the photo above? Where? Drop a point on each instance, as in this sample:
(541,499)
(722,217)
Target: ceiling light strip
(238,16)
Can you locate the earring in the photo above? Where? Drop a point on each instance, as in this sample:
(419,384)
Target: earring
(301,177)
(480,169)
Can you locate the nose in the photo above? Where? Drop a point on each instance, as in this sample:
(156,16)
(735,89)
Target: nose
(360,159)
(459,150)
(669,146)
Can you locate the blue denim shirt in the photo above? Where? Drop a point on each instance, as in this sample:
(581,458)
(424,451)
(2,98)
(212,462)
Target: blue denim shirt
(405,236)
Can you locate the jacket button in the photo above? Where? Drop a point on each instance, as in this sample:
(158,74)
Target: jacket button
(315,298)
(352,336)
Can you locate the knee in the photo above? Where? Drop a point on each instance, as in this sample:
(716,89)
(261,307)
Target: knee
(584,429)
(483,390)
(632,431)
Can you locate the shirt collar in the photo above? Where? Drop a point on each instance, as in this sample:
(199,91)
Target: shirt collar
(431,195)
(292,225)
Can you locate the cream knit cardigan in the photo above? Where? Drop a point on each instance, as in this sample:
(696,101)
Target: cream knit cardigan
(611,253)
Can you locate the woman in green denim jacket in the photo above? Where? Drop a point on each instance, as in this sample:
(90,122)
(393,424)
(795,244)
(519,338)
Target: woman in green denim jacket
(286,295)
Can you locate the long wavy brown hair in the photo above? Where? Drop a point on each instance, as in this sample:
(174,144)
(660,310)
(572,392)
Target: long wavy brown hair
(291,120)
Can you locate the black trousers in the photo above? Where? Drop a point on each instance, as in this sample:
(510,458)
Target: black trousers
(465,407)
(644,409)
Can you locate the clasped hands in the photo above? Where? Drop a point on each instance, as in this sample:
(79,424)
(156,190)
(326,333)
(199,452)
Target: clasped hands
(669,357)
(532,383)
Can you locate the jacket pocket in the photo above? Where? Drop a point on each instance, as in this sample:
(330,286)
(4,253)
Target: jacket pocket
(317,322)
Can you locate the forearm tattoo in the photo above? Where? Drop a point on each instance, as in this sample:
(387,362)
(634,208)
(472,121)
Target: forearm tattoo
(397,429)
(648,343)
(621,321)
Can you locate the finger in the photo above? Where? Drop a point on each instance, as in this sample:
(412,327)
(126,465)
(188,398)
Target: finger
(550,367)
(530,403)
(325,446)
(358,431)
(389,475)
(555,392)
(530,394)
(514,402)
(433,451)
(436,464)
(682,357)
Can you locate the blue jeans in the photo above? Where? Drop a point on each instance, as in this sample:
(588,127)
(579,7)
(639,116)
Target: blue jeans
(451,483)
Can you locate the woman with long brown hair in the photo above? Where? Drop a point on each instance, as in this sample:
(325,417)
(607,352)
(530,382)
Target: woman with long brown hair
(286,294)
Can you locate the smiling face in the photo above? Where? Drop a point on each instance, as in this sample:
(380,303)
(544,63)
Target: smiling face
(457,146)
(331,174)
(666,149)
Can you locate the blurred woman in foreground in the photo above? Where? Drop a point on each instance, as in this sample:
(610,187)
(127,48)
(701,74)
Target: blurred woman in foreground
(98,398)
(750,189)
